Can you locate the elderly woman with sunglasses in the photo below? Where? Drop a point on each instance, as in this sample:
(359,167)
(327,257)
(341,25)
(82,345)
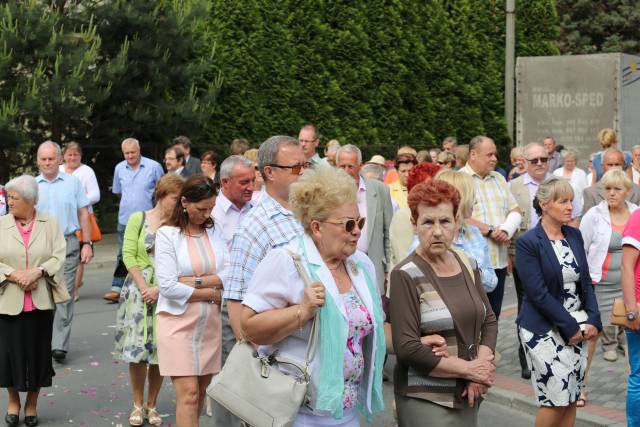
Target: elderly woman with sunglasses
(346,372)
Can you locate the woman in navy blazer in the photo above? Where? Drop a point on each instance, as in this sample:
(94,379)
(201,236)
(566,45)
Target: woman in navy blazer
(559,310)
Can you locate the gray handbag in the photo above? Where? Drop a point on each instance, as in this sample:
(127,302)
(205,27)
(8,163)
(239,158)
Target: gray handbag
(254,389)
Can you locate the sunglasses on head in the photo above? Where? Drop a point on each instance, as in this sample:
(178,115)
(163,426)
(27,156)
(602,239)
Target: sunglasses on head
(295,169)
(349,224)
(537,160)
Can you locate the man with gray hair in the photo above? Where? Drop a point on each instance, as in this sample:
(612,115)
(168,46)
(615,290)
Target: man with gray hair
(62,196)
(134,181)
(374,203)
(269,224)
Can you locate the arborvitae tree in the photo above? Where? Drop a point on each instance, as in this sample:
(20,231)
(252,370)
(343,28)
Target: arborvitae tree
(378,74)
(593,26)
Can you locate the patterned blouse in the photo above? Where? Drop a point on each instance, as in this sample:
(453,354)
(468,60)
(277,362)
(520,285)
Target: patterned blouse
(360,325)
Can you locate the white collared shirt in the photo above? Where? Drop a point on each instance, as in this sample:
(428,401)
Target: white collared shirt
(227,216)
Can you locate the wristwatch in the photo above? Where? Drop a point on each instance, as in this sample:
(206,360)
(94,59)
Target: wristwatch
(198,282)
(632,315)
(490,230)
(90,243)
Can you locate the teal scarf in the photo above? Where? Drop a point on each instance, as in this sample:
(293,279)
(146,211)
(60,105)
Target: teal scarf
(333,336)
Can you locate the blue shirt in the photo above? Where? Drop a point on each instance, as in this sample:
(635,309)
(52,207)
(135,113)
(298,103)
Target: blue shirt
(62,198)
(136,187)
(471,241)
(268,225)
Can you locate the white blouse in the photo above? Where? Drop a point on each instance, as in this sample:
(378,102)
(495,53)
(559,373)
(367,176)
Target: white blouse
(172,261)
(277,284)
(89,182)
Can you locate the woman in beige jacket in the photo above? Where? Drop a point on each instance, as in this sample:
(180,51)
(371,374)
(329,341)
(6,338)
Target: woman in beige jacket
(32,254)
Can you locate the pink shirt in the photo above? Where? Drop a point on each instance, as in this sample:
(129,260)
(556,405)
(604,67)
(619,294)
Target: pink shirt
(26,234)
(363,241)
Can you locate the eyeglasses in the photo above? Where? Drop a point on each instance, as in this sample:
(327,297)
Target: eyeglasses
(538,160)
(349,224)
(295,169)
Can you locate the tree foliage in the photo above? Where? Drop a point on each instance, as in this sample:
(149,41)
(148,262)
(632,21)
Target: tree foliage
(96,72)
(594,26)
(378,74)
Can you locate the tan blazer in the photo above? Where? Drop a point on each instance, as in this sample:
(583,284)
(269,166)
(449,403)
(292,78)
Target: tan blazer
(47,249)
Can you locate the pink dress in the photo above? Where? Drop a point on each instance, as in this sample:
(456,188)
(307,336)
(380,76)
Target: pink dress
(190,344)
(25,233)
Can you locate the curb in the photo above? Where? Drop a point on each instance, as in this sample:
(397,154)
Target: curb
(522,403)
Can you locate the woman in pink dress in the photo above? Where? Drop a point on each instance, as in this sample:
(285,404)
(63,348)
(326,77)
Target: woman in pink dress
(190,260)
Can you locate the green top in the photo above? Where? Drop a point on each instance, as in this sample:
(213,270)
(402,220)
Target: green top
(134,249)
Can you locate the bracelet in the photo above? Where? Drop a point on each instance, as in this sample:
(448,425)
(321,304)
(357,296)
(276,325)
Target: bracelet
(299,317)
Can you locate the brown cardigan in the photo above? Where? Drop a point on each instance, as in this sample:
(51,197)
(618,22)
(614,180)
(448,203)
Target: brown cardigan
(423,303)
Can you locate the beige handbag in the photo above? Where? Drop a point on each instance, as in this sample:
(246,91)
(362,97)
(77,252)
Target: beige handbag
(251,386)
(619,313)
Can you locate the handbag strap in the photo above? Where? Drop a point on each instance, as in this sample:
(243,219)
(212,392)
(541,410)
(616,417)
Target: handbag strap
(312,344)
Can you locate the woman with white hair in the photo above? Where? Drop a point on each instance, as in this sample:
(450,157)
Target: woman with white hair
(32,254)
(569,171)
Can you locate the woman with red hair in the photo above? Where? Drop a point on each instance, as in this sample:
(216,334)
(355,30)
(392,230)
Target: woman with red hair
(400,230)
(438,290)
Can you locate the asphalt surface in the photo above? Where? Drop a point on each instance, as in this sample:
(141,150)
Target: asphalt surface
(91,389)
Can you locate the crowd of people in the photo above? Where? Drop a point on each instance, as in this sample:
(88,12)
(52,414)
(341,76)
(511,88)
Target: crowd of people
(406,257)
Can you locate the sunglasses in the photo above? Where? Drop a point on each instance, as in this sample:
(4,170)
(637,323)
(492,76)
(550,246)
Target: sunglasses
(538,160)
(349,224)
(295,169)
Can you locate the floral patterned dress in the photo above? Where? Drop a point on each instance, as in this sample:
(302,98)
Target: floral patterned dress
(360,325)
(558,368)
(136,321)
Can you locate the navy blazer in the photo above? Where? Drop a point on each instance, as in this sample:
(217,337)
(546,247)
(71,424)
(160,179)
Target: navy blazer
(541,277)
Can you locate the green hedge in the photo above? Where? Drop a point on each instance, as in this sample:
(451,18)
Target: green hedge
(378,74)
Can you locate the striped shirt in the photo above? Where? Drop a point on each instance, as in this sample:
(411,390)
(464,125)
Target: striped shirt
(493,202)
(268,225)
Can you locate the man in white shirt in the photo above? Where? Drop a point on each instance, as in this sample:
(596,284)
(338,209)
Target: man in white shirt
(237,177)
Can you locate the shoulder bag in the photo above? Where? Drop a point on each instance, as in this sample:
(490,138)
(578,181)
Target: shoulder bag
(251,386)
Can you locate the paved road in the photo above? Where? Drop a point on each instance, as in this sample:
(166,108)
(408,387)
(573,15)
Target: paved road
(91,389)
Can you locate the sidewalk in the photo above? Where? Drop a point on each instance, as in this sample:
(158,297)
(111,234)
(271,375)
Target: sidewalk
(607,381)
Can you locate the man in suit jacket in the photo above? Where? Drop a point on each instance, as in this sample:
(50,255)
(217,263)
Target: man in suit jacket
(374,203)
(612,158)
(174,161)
(191,164)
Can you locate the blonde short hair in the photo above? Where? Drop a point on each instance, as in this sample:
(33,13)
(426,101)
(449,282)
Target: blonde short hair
(446,157)
(607,138)
(516,153)
(252,154)
(552,189)
(405,149)
(462,153)
(318,192)
(616,177)
(569,153)
(465,186)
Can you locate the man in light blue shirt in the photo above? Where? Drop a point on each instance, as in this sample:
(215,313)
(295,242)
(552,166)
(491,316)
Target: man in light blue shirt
(134,180)
(62,196)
